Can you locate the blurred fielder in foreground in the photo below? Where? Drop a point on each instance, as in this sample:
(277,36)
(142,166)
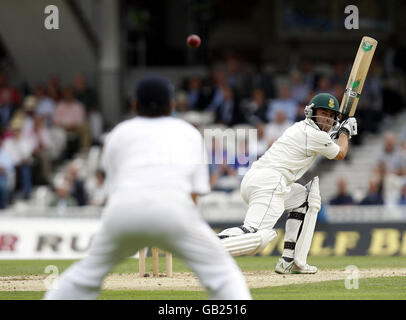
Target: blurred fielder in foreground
(269,186)
(154,168)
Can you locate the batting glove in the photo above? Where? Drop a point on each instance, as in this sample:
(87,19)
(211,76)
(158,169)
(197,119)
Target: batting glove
(349,127)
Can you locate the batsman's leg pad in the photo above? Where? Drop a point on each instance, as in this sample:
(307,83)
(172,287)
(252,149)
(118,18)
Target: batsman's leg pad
(248,243)
(306,235)
(293,228)
(297,231)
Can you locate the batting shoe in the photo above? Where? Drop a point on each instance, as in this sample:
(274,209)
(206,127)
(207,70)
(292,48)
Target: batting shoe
(284,267)
(306,269)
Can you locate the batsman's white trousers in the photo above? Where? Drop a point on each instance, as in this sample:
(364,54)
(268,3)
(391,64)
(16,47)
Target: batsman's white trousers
(168,220)
(268,195)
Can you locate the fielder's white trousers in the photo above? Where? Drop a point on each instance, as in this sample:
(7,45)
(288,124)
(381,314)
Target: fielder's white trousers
(167,220)
(268,195)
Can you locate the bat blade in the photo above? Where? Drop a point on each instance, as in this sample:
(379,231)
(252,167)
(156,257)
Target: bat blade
(357,76)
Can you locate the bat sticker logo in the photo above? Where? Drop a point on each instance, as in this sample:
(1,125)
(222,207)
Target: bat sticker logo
(355,84)
(366,46)
(351,92)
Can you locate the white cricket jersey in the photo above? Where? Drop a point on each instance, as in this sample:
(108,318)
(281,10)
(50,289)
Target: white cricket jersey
(296,150)
(155,154)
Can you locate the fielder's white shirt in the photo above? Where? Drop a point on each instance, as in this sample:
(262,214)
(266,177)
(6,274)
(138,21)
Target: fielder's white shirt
(155,154)
(296,150)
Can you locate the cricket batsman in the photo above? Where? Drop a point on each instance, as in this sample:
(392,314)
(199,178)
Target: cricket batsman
(269,187)
(155,169)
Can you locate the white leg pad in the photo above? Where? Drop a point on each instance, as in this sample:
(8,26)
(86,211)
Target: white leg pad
(249,243)
(304,241)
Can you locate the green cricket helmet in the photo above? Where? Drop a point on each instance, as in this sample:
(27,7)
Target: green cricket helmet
(325,101)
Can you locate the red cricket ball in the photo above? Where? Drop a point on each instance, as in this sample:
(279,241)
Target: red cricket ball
(193,41)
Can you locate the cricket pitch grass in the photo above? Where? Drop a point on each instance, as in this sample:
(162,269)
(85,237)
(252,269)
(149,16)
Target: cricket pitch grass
(344,278)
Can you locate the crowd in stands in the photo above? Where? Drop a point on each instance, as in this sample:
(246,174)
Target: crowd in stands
(42,130)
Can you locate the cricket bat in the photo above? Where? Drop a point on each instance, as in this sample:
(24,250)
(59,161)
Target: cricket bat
(357,76)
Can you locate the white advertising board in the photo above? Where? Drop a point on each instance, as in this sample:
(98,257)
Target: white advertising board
(46,238)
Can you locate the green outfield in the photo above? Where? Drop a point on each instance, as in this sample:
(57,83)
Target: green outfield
(388,280)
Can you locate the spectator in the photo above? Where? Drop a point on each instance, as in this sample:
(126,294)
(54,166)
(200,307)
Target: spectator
(229,112)
(309,76)
(70,115)
(63,198)
(8,93)
(259,77)
(342,197)
(255,108)
(194,96)
(45,104)
(38,135)
(373,196)
(54,89)
(277,127)
(370,106)
(324,85)
(339,77)
(20,147)
(402,138)
(285,103)
(299,89)
(7,109)
(9,100)
(338,90)
(392,156)
(217,90)
(402,199)
(78,190)
(6,174)
(84,93)
(206,94)
(98,193)
(223,176)
(322,215)
(26,114)
(42,164)
(88,97)
(380,174)
(181,102)
(234,74)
